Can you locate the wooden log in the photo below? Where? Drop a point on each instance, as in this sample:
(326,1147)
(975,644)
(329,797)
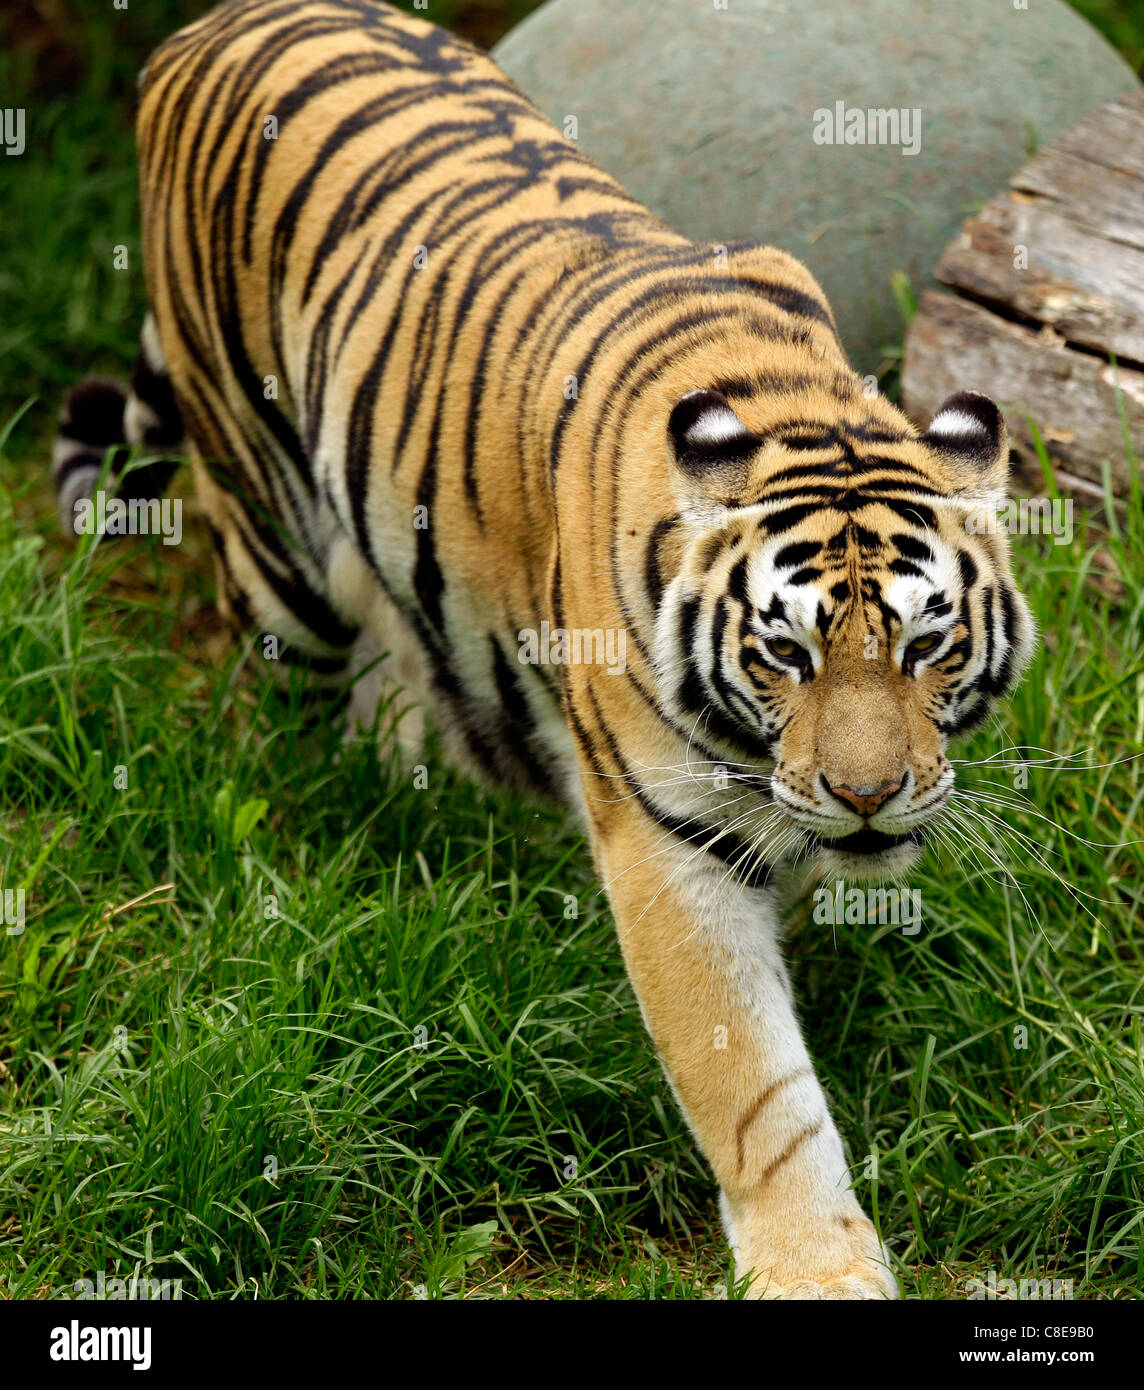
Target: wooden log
(1047,286)
(957,345)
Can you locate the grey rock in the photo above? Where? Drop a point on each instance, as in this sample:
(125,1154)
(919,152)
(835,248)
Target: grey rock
(708,115)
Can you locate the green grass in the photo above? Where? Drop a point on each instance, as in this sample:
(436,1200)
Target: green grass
(420,1038)
(159,1049)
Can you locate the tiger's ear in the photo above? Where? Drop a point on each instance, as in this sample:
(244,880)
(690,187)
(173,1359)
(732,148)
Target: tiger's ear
(969,433)
(711,444)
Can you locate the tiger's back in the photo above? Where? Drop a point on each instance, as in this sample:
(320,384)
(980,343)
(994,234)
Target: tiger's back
(381,215)
(376,271)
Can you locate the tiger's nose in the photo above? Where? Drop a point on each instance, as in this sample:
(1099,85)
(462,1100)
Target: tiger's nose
(865,802)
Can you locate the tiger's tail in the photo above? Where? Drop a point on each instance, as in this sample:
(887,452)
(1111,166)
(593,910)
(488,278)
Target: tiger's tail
(99,415)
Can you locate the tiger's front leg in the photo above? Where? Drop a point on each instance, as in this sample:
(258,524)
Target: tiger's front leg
(703,955)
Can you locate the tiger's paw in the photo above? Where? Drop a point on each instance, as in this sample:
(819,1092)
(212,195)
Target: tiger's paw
(838,1258)
(866,1279)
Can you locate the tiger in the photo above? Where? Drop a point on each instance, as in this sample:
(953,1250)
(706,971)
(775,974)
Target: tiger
(447,389)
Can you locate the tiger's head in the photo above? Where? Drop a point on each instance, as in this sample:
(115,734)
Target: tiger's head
(843,607)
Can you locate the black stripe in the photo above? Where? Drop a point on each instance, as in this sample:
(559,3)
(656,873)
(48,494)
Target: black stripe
(521,726)
(795,553)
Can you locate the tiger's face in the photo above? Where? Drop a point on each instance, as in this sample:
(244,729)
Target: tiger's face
(844,609)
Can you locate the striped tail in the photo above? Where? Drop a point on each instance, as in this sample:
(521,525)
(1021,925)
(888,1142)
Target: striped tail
(99,415)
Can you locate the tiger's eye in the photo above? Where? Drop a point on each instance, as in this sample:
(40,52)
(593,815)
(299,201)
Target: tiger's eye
(783,647)
(925,643)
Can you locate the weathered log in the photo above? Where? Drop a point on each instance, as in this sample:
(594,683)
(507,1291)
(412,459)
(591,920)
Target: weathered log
(1048,286)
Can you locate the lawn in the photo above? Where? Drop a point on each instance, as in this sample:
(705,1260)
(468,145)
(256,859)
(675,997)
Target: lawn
(278,1022)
